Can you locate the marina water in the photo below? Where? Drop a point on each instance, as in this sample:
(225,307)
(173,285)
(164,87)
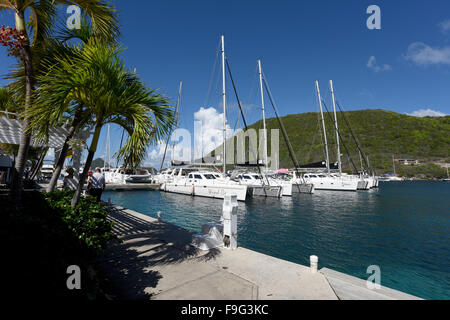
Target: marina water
(402,227)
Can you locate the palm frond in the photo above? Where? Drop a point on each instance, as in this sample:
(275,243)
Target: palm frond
(41,22)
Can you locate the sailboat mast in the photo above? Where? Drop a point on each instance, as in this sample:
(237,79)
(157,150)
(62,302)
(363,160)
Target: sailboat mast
(393,163)
(336,127)
(323,124)
(361,161)
(177,113)
(224,101)
(263,114)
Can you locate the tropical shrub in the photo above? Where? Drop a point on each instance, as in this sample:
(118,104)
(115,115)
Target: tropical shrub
(87,221)
(42,237)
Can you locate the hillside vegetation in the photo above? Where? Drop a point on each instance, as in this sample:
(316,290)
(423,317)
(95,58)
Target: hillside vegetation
(380,133)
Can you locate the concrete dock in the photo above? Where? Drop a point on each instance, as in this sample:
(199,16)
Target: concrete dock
(132,186)
(156,261)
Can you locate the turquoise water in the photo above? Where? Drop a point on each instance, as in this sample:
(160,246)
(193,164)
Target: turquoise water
(403,227)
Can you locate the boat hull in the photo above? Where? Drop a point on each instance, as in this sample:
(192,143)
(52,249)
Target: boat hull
(208,191)
(302,188)
(335,184)
(265,191)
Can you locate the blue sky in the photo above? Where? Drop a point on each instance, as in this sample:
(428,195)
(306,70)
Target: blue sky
(404,67)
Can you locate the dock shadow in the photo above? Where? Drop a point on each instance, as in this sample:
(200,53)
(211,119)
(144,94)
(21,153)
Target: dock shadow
(131,267)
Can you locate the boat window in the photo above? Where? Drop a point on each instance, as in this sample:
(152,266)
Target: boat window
(257,177)
(190,176)
(209,176)
(247,177)
(321,176)
(197,176)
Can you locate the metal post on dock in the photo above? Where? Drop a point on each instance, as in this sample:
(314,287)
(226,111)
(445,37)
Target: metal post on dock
(229,214)
(314,262)
(159,216)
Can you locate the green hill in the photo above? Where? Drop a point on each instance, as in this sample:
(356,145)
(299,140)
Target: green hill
(380,133)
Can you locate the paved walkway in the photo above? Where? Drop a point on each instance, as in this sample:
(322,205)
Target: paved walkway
(156,261)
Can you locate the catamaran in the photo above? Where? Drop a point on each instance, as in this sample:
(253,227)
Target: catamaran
(333,181)
(200,182)
(273,178)
(125,176)
(256,184)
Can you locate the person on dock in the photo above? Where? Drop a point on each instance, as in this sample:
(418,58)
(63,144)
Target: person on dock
(69,182)
(96,184)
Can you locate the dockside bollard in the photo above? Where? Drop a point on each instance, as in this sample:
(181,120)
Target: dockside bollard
(159,216)
(229,214)
(314,261)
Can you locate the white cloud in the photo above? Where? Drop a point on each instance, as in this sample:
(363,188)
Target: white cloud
(422,54)
(427,113)
(209,131)
(181,150)
(207,136)
(444,26)
(372,64)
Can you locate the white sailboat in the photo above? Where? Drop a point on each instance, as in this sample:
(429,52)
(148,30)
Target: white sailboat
(203,183)
(329,181)
(200,182)
(391,177)
(126,176)
(257,185)
(448,177)
(287,185)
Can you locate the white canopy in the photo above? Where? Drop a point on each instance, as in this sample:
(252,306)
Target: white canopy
(11,130)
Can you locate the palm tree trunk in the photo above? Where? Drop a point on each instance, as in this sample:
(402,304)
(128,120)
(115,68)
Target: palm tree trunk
(59,165)
(38,165)
(25,138)
(92,149)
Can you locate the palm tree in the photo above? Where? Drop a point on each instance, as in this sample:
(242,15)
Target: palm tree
(57,48)
(43,14)
(95,82)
